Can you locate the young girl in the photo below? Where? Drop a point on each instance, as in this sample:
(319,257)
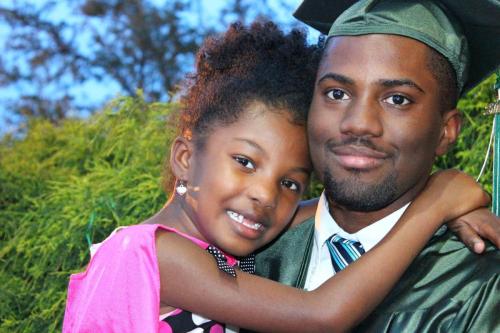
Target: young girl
(241,165)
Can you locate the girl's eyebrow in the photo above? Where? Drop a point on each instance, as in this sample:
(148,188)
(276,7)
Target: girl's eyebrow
(307,171)
(258,147)
(251,143)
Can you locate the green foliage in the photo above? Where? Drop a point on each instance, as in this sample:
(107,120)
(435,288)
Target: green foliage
(63,184)
(470,149)
(104,171)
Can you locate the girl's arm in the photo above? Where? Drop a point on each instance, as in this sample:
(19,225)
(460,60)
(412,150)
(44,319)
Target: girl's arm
(190,279)
(472,228)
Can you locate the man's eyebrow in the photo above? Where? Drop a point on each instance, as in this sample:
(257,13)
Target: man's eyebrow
(399,82)
(336,77)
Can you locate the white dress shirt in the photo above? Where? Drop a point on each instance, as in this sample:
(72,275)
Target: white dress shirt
(320,266)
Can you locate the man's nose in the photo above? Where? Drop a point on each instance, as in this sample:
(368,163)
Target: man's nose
(362,118)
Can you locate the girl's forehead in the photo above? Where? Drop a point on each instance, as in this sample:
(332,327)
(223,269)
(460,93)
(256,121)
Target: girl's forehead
(261,123)
(256,120)
(257,110)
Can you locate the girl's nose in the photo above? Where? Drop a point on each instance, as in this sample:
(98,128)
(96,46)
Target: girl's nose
(263,192)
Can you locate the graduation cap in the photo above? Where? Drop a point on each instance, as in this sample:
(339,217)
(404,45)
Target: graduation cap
(466,32)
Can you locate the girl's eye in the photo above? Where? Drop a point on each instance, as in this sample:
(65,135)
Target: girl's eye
(397,100)
(245,162)
(337,94)
(291,185)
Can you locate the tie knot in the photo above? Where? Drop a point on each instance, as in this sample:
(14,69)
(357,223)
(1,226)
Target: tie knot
(337,239)
(343,251)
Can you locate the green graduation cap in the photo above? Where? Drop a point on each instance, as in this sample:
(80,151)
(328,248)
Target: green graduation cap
(466,32)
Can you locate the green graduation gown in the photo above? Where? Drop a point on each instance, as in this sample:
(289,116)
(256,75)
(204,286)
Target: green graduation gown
(446,289)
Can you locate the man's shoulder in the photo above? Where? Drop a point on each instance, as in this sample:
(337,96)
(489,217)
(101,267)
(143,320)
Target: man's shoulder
(448,252)
(286,259)
(447,288)
(448,266)
(291,237)
(305,211)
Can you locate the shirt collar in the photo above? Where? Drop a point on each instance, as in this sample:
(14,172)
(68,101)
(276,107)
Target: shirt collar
(231,261)
(325,226)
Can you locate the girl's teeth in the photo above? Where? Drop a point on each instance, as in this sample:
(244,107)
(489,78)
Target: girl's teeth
(240,219)
(255,226)
(235,216)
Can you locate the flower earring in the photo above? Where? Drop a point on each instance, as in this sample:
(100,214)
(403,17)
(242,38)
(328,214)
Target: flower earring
(181,188)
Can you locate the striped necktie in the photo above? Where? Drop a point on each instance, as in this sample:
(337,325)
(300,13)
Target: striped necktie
(343,251)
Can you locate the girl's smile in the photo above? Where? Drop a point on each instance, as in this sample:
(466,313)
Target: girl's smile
(247,179)
(246,220)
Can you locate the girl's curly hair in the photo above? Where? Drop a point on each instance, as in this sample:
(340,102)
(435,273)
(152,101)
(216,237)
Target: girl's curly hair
(246,64)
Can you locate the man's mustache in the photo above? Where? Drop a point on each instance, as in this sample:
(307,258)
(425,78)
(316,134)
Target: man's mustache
(355,141)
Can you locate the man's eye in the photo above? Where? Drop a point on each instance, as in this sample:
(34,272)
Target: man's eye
(244,162)
(337,94)
(397,100)
(291,185)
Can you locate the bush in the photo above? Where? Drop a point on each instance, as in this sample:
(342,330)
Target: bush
(65,186)
(470,149)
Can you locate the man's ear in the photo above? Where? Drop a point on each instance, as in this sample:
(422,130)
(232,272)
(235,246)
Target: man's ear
(452,123)
(180,157)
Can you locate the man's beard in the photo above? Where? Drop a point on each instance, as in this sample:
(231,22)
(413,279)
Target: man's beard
(355,195)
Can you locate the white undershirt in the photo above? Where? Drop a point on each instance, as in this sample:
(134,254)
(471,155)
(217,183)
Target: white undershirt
(320,267)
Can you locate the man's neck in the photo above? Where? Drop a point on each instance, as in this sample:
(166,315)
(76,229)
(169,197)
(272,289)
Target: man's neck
(353,221)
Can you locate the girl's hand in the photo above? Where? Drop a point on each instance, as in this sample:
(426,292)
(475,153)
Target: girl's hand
(453,194)
(474,225)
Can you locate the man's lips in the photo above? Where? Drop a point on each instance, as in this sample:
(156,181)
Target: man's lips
(358,157)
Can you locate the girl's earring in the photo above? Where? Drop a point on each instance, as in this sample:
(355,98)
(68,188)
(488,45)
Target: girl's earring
(181,189)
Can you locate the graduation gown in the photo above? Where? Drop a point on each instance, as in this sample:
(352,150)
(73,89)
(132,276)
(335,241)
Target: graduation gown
(447,288)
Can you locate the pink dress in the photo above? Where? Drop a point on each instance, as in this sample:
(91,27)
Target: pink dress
(120,289)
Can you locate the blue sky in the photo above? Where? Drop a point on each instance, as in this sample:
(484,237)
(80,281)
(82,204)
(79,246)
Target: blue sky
(107,89)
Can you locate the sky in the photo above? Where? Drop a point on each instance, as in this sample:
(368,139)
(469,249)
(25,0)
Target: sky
(105,90)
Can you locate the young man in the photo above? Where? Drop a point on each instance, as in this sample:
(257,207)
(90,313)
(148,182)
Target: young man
(384,107)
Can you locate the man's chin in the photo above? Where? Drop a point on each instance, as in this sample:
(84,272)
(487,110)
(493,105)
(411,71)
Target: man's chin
(354,195)
(358,204)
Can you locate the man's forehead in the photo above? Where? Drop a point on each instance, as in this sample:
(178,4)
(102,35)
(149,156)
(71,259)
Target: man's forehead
(437,23)
(378,59)
(385,47)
